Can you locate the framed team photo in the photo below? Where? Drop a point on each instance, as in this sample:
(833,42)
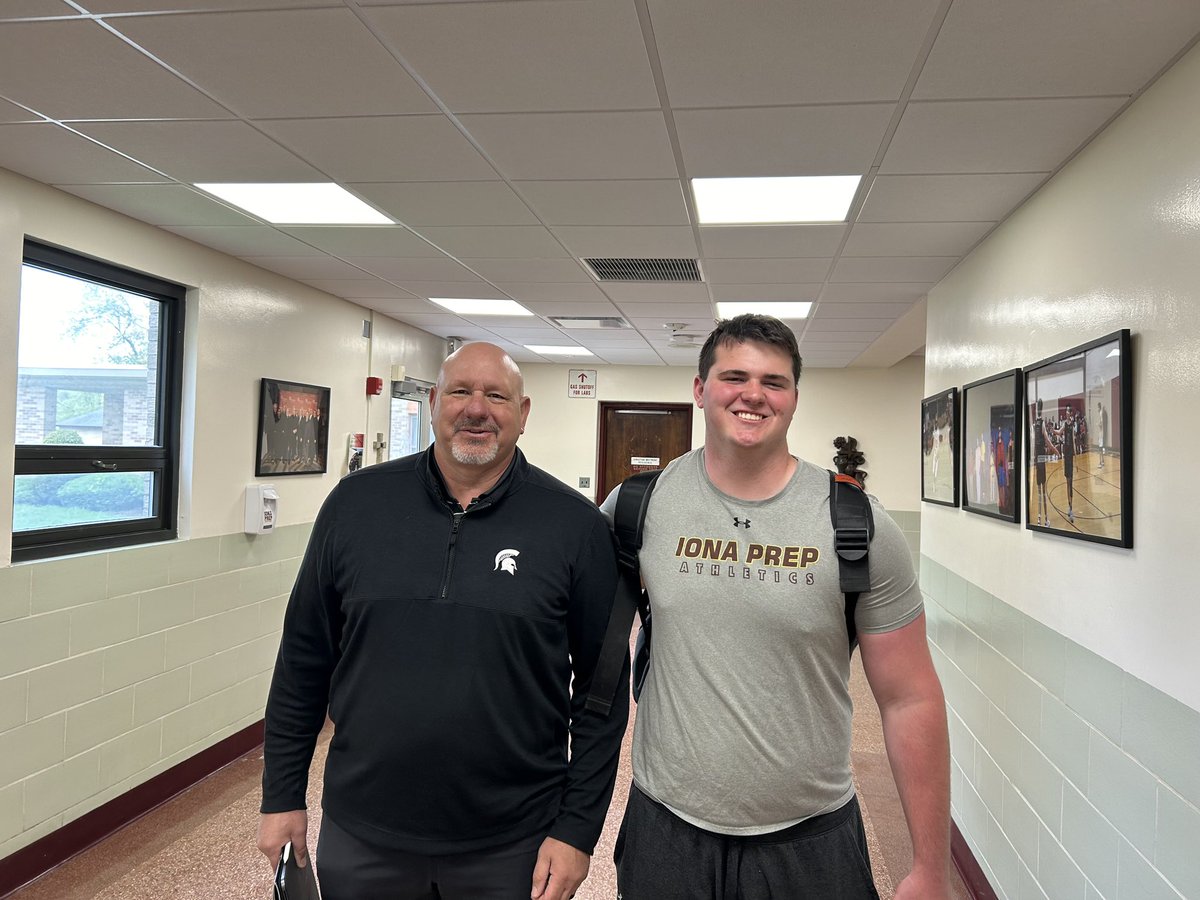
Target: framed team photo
(939,448)
(1078,410)
(293,428)
(991,444)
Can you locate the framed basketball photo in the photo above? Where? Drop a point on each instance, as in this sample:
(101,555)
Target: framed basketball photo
(991,444)
(1078,411)
(939,448)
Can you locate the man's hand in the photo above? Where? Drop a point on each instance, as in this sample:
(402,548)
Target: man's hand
(276,829)
(924,886)
(559,872)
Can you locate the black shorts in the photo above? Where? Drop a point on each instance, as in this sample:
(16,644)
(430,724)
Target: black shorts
(659,856)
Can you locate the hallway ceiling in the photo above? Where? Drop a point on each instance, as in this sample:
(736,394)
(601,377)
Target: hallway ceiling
(511,138)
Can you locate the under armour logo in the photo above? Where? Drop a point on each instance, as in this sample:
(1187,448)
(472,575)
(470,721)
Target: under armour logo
(506,561)
(741,523)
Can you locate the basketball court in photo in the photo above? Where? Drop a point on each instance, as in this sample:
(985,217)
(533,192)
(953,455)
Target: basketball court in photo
(1097,495)
(938,463)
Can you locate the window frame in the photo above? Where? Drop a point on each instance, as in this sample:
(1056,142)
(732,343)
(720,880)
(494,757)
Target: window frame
(160,459)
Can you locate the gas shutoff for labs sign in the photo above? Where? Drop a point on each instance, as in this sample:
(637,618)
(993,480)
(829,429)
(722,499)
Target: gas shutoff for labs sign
(582,383)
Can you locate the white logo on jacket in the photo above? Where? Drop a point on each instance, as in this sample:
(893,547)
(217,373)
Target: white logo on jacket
(506,561)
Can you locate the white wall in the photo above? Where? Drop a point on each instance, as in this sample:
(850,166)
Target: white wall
(1112,242)
(880,407)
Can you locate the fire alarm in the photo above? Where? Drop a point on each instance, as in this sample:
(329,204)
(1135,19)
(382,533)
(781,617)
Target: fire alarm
(374,385)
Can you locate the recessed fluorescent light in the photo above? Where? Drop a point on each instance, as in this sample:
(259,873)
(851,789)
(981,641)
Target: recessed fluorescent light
(544,350)
(759,201)
(465,307)
(299,204)
(784,310)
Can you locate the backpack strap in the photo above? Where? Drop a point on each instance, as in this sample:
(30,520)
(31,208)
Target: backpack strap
(853,528)
(633,500)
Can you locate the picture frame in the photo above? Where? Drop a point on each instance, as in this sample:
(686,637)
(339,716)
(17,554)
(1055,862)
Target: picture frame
(939,448)
(1078,411)
(991,446)
(293,428)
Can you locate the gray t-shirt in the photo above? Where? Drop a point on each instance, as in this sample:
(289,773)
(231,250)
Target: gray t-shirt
(744,723)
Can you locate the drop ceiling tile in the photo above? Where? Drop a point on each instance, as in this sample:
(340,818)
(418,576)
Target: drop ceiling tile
(654,314)
(558,307)
(713,53)
(303,268)
(160,204)
(914,238)
(1072,48)
(448,202)
(567,292)
(19,9)
(764,271)
(433,268)
(10,112)
(105,77)
(535,332)
(820,345)
(534,55)
(494,322)
(795,140)
(612,202)
(442,324)
(635,292)
(203,151)
(463,290)
(610,241)
(946,198)
(257,240)
(760,241)
(818,324)
(362,240)
(305,62)
(773,292)
(575,146)
(511,241)
(993,135)
(546,270)
(362,289)
(383,149)
(875,292)
(52,154)
(818,338)
(892,268)
(119,6)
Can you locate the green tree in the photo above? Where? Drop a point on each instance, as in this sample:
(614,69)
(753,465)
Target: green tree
(107,315)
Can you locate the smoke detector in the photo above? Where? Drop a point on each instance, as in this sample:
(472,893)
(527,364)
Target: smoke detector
(682,339)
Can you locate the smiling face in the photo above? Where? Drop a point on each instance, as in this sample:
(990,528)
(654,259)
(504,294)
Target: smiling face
(748,398)
(478,407)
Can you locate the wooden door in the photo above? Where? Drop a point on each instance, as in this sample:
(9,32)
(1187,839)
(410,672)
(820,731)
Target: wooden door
(639,436)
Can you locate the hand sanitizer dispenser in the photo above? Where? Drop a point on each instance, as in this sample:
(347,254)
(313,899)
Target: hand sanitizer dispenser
(262,508)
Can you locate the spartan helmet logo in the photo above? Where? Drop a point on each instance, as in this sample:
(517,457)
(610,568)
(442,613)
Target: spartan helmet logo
(506,561)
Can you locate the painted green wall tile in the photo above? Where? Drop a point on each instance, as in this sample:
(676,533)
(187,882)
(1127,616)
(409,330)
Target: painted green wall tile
(1091,841)
(1044,656)
(1042,786)
(240,551)
(50,792)
(258,584)
(217,593)
(130,753)
(962,742)
(99,720)
(974,814)
(137,569)
(989,782)
(191,642)
(1057,873)
(1004,741)
(1065,738)
(64,684)
(34,641)
(32,747)
(1178,845)
(965,648)
(192,560)
(1023,703)
(973,707)
(102,623)
(1093,689)
(994,673)
(1123,791)
(979,610)
(12,800)
(1029,889)
(72,581)
(933,579)
(1137,880)
(1021,825)
(1002,860)
(1006,630)
(166,607)
(1163,734)
(14,692)
(16,589)
(156,697)
(954,600)
(133,661)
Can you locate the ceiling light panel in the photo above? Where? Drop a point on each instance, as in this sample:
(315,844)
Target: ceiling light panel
(299,204)
(543,350)
(475,307)
(754,201)
(794,310)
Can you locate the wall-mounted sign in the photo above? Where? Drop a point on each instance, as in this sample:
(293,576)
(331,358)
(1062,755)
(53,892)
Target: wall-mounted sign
(581,383)
(645,461)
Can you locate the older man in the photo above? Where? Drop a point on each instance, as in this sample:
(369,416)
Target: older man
(448,614)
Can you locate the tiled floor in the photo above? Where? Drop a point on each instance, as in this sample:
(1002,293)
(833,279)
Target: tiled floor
(200,846)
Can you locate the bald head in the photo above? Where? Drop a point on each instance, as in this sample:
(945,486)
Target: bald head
(479,407)
(482,354)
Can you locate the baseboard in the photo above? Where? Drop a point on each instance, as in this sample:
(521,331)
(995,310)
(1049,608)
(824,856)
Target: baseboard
(968,867)
(44,854)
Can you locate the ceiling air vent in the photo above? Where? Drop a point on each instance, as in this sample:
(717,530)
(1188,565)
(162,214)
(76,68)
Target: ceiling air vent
(589,322)
(644,269)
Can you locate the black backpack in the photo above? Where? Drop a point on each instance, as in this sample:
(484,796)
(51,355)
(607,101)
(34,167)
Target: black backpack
(853,528)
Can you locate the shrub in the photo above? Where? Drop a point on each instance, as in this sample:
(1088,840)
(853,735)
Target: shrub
(122,492)
(63,436)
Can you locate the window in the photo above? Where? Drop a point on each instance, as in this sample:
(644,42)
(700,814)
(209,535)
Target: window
(409,429)
(99,368)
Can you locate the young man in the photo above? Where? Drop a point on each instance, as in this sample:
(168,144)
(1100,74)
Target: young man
(741,752)
(448,615)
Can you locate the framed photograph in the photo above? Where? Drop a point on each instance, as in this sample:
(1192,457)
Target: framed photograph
(293,428)
(991,446)
(939,448)
(1079,442)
